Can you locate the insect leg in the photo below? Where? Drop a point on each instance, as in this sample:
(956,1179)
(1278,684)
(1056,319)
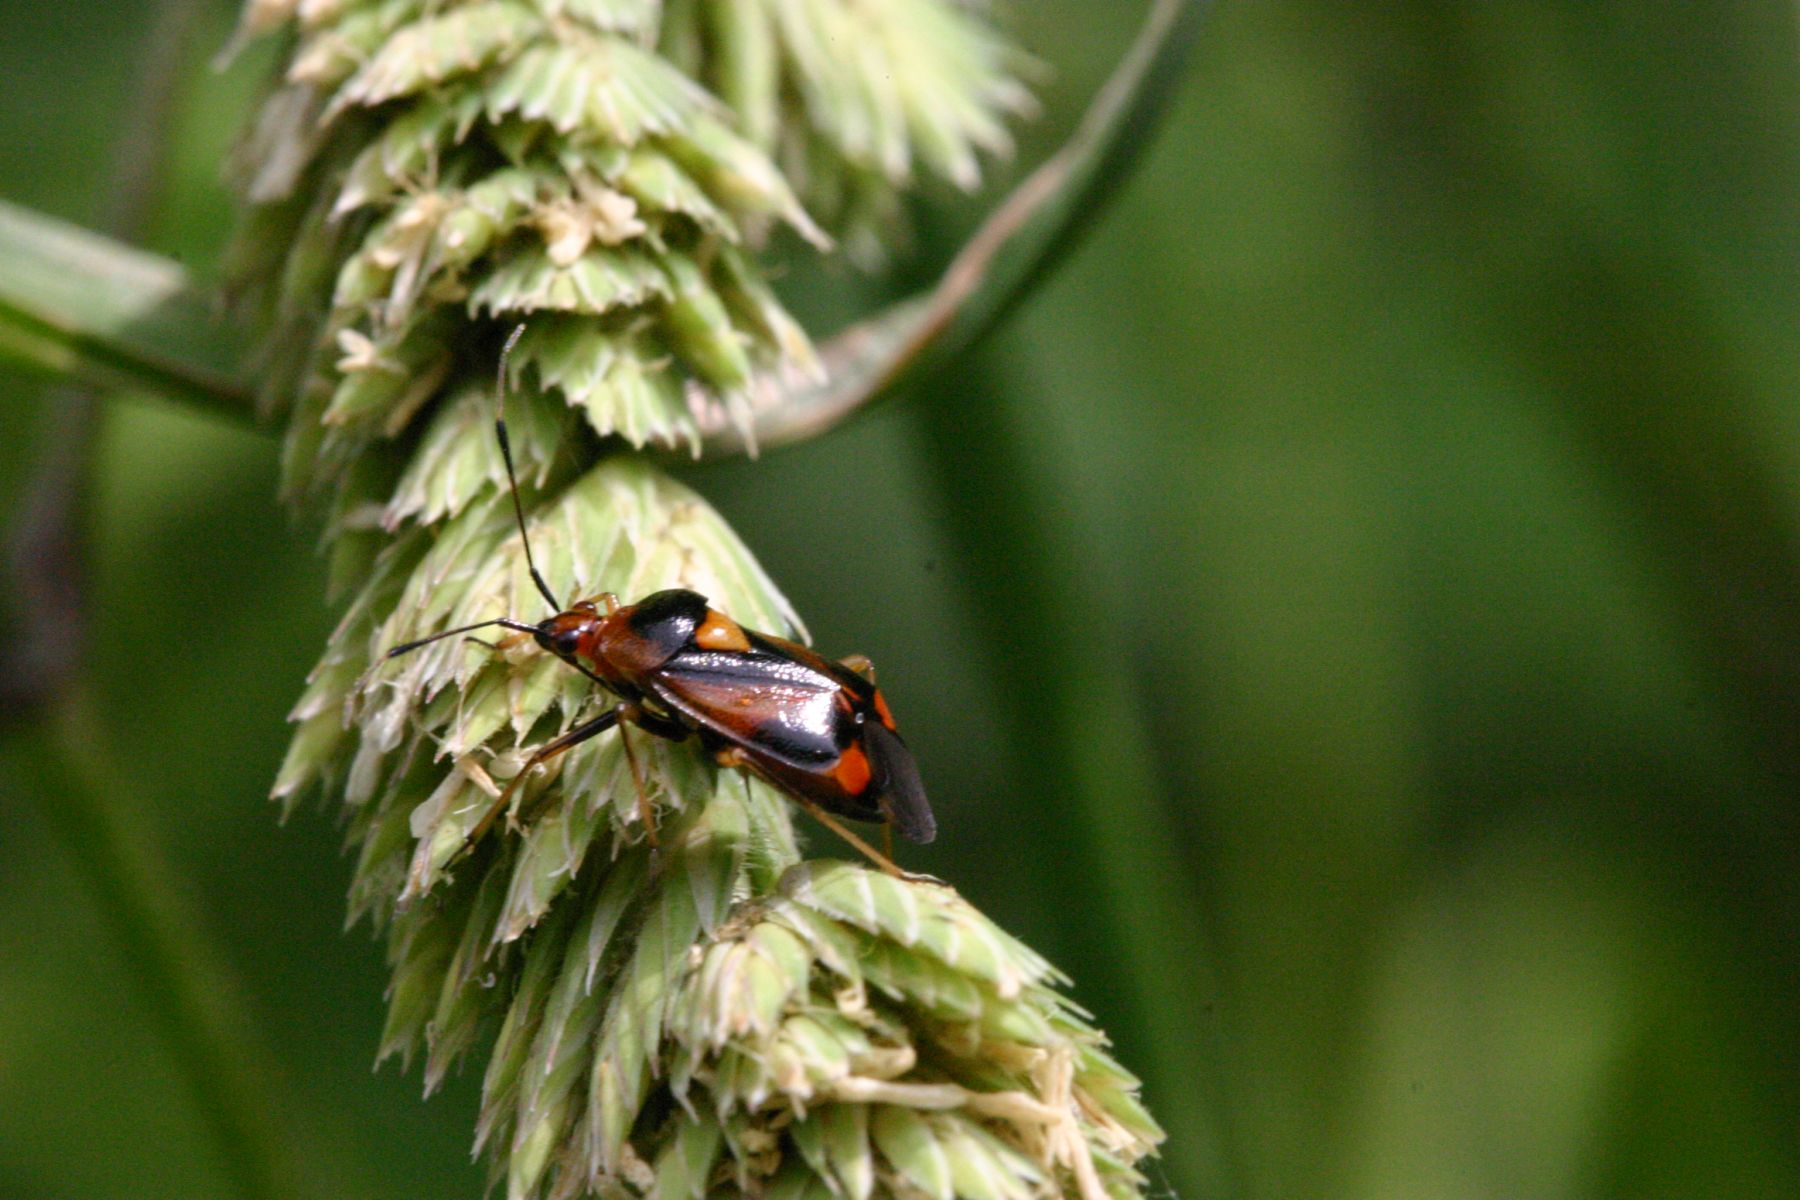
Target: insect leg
(732,756)
(832,823)
(646,814)
(500,647)
(659,725)
(545,753)
(860,664)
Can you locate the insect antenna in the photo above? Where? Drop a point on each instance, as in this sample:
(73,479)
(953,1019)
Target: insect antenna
(504,622)
(512,478)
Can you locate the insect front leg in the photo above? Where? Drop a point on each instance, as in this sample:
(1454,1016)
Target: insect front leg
(544,754)
(503,645)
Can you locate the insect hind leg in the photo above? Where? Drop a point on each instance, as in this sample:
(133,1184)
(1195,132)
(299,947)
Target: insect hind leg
(732,756)
(871,853)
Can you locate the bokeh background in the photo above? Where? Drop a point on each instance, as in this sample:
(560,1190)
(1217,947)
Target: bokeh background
(1349,619)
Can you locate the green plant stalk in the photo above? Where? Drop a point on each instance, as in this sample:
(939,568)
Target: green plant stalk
(1085,748)
(181,979)
(191,995)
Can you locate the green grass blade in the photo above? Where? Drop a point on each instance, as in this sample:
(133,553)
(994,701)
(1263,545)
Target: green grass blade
(88,307)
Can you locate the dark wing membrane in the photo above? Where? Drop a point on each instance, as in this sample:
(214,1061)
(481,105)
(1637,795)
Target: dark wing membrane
(894,778)
(761,700)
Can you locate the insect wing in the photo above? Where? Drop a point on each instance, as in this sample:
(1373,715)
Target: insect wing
(895,780)
(763,699)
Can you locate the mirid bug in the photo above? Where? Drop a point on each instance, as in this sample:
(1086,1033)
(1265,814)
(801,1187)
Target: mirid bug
(817,730)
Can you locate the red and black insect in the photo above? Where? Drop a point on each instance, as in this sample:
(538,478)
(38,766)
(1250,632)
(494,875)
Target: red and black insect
(817,730)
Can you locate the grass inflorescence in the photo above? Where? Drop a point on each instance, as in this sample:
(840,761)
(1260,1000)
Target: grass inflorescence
(715,1014)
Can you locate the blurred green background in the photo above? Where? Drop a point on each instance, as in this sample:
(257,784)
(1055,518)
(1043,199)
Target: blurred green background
(1349,619)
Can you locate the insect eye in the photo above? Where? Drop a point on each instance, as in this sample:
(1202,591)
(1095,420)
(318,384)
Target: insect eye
(566,642)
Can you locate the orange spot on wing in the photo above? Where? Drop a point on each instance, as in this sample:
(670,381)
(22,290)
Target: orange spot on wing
(720,632)
(852,771)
